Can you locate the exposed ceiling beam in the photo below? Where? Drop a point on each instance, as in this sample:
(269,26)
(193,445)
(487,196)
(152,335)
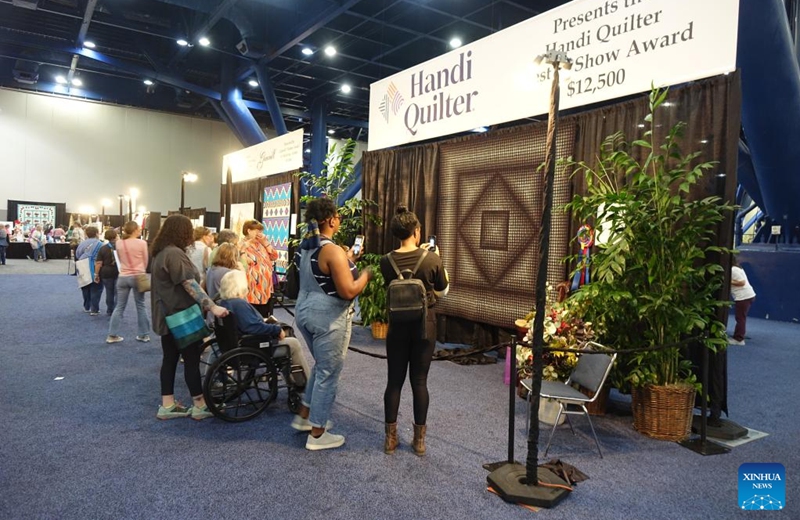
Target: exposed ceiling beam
(219,12)
(308,29)
(88,13)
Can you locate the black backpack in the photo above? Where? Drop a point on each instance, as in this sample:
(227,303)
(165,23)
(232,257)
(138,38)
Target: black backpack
(406,297)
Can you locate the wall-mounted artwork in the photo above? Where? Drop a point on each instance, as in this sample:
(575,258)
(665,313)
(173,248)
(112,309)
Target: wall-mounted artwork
(32,214)
(241,213)
(276,218)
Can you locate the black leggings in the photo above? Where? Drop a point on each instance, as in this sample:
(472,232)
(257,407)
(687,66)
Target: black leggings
(405,348)
(191,366)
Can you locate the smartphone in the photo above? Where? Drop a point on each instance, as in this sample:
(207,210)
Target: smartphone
(358,244)
(431,242)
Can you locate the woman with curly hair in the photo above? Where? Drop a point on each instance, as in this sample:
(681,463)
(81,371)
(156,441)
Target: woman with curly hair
(329,281)
(258,254)
(175,286)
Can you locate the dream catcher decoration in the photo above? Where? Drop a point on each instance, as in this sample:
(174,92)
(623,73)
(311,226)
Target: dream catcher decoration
(585,239)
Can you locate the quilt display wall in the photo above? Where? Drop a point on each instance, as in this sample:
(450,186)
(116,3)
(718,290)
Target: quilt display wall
(277,206)
(490,207)
(36,213)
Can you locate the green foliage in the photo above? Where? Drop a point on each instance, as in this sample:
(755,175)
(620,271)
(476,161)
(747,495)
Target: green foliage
(337,175)
(653,282)
(372,300)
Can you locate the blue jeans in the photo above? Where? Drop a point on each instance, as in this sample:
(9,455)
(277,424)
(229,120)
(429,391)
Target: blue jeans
(325,323)
(3,255)
(126,285)
(91,296)
(110,285)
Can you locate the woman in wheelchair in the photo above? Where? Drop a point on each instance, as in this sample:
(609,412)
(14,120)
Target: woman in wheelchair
(232,293)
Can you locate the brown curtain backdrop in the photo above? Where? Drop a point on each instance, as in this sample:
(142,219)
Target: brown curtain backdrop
(407,176)
(253,191)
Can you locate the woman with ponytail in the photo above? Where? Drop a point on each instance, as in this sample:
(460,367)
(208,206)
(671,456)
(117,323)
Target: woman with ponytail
(329,281)
(409,347)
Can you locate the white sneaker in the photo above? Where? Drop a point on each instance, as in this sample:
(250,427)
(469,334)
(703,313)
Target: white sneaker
(114,339)
(733,341)
(303,425)
(325,441)
(143,339)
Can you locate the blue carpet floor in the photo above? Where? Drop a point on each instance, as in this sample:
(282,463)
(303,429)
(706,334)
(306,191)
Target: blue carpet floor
(89,446)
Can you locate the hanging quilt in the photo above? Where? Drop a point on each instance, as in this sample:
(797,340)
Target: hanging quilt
(277,213)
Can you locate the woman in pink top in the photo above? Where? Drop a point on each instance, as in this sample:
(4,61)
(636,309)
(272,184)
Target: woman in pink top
(132,259)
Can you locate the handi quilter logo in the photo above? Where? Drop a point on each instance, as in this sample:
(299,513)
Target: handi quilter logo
(762,486)
(392,102)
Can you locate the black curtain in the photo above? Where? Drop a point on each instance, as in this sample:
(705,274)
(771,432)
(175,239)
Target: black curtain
(61,210)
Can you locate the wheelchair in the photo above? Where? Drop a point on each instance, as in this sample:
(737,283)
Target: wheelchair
(248,372)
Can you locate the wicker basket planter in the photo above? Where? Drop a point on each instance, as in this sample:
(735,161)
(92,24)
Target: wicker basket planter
(379,330)
(663,412)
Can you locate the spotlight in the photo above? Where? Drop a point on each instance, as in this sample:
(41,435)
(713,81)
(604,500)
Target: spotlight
(89,45)
(61,79)
(307,51)
(253,83)
(205,42)
(455,43)
(331,131)
(183,43)
(148,82)
(346,88)
(77,82)
(330,50)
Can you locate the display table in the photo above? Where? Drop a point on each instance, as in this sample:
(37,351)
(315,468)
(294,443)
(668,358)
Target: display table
(24,250)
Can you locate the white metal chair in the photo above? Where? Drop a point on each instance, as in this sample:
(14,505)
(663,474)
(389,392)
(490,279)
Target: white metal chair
(590,373)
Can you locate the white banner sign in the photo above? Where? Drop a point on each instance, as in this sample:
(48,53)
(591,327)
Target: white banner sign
(278,155)
(618,48)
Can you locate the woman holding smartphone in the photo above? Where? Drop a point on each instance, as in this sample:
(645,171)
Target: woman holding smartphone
(410,348)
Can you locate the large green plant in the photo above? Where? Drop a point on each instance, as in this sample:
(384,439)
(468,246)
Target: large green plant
(654,281)
(372,300)
(337,175)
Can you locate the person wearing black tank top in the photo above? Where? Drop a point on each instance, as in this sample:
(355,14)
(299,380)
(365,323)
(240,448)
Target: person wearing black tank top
(407,348)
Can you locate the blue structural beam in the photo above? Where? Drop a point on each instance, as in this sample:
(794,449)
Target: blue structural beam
(776,280)
(746,175)
(319,136)
(771,106)
(239,115)
(269,96)
(225,119)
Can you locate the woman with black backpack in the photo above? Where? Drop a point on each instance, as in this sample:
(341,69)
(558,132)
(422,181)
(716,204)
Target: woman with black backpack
(409,346)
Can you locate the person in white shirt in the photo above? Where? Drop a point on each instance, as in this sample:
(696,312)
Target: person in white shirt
(743,296)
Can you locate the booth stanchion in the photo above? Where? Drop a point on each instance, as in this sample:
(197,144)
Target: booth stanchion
(529,484)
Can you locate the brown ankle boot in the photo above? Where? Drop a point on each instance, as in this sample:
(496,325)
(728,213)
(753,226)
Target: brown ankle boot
(419,439)
(391,442)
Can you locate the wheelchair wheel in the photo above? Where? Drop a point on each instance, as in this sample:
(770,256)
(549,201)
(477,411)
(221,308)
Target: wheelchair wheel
(240,385)
(210,353)
(294,401)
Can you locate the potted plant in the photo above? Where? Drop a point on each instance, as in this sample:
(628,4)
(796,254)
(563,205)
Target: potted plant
(372,300)
(653,281)
(337,175)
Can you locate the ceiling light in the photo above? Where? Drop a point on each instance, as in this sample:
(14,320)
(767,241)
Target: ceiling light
(331,131)
(480,129)
(205,42)
(330,50)
(89,45)
(77,82)
(148,82)
(307,51)
(455,43)
(346,88)
(183,43)
(704,141)
(61,79)
(253,83)
(308,150)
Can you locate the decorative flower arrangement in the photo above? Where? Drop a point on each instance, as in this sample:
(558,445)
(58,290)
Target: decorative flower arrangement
(563,328)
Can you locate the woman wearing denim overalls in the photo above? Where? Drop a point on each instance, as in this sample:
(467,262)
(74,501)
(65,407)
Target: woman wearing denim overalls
(329,281)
